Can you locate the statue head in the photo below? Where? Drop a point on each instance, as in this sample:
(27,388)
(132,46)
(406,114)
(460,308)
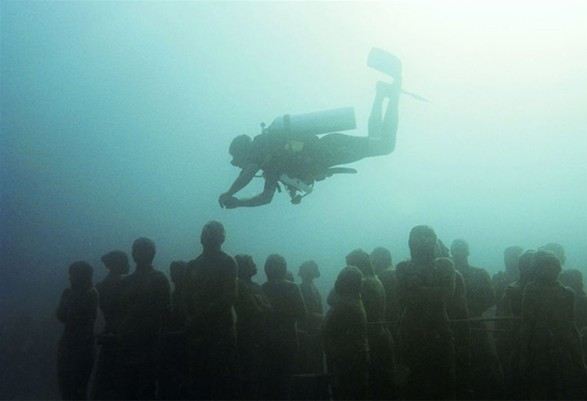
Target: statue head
(527,265)
(423,242)
(381,259)
(556,249)
(349,282)
(359,258)
(548,267)
(572,278)
(213,235)
(309,270)
(459,249)
(143,251)
(510,258)
(246,266)
(80,275)
(275,267)
(116,262)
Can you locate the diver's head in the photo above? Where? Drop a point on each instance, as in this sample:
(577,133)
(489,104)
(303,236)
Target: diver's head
(240,148)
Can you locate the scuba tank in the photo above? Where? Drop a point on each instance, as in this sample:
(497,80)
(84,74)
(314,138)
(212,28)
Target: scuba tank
(295,128)
(316,123)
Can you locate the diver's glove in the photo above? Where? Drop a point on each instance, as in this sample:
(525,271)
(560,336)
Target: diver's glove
(227,201)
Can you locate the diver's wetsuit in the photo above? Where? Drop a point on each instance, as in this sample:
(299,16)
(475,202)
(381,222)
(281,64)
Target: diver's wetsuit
(308,157)
(305,157)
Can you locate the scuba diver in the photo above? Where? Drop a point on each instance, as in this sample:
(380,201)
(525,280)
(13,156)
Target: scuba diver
(290,151)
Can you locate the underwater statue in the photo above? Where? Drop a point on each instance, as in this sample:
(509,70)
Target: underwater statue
(551,357)
(145,305)
(108,372)
(345,338)
(426,284)
(77,310)
(381,352)
(211,286)
(311,359)
(508,331)
(281,341)
(252,309)
(501,280)
(173,361)
(290,152)
(485,371)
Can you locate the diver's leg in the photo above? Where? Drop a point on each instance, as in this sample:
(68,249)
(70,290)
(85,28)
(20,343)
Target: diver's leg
(382,131)
(336,149)
(391,118)
(376,118)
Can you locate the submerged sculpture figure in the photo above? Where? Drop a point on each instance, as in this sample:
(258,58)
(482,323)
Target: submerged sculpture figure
(212,290)
(381,361)
(573,279)
(383,267)
(508,338)
(173,362)
(252,309)
(502,279)
(426,284)
(107,381)
(287,308)
(144,307)
(309,328)
(345,337)
(485,371)
(551,357)
(77,310)
(289,150)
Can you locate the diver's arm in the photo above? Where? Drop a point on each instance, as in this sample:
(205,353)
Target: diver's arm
(263,198)
(243,179)
(227,199)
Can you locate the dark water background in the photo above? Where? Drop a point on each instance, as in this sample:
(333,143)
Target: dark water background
(116,118)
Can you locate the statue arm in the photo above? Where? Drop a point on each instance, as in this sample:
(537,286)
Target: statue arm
(527,324)
(62,309)
(488,291)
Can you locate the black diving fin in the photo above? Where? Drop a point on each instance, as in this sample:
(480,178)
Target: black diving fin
(391,65)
